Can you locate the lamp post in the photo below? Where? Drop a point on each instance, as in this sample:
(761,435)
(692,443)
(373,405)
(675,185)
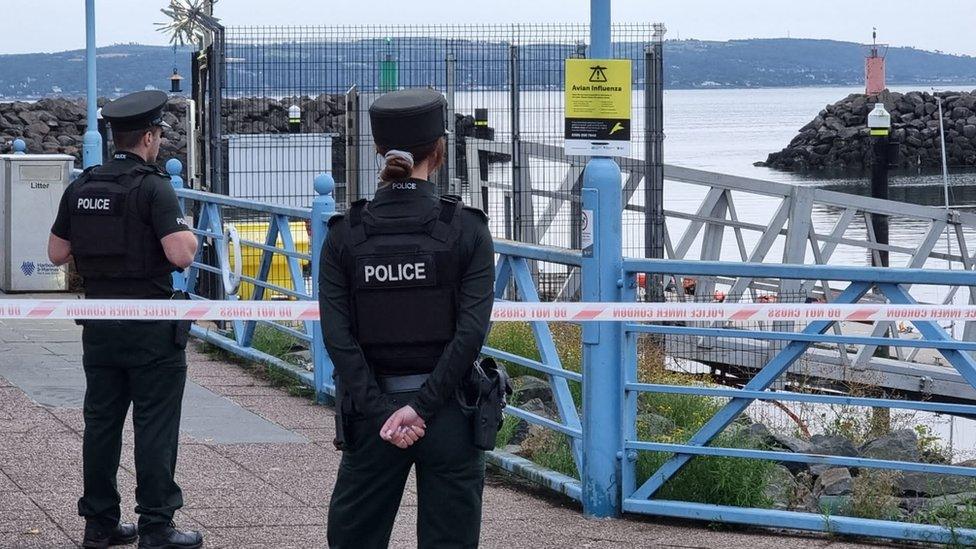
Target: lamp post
(92,142)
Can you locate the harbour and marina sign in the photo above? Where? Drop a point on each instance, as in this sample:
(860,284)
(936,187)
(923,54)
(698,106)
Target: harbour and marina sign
(597,106)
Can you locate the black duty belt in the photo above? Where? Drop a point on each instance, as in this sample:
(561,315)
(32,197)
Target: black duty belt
(401,384)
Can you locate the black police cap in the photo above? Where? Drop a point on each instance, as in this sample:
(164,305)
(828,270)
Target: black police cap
(408,118)
(136,111)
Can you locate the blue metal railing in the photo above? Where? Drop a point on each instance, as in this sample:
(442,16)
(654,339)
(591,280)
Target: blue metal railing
(279,242)
(638,494)
(615,386)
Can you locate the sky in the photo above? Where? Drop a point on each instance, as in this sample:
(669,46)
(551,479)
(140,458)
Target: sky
(57,25)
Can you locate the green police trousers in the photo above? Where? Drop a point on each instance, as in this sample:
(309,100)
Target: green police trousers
(133,362)
(372,475)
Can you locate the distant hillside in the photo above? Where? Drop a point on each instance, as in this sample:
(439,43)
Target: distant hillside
(121,68)
(801,62)
(688,64)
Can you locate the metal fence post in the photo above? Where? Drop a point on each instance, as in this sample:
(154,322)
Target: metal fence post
(602,343)
(452,185)
(654,159)
(175,168)
(517,176)
(323,207)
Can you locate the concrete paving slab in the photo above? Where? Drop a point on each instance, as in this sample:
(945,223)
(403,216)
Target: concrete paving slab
(214,418)
(69,348)
(35,534)
(206,415)
(260,516)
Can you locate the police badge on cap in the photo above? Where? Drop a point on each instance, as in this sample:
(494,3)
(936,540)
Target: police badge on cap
(136,111)
(408,118)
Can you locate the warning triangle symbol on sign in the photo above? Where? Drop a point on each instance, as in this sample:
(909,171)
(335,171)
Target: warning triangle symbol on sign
(597,74)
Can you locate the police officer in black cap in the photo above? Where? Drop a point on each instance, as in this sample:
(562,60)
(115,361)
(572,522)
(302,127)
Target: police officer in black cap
(406,292)
(123,226)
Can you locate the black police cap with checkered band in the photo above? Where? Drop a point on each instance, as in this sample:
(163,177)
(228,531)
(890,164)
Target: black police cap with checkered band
(408,118)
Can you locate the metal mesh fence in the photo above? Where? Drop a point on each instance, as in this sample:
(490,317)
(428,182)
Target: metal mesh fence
(504,85)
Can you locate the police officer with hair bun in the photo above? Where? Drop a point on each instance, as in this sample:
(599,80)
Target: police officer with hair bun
(406,291)
(123,226)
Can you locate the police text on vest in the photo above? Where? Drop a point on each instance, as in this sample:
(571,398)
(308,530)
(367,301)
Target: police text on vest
(395,273)
(100,204)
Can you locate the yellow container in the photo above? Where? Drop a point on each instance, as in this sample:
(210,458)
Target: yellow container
(279,274)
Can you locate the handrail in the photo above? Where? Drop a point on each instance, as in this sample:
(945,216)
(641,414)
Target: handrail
(244,203)
(539,252)
(879,275)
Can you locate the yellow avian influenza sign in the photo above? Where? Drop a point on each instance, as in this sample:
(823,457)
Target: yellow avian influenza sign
(597,104)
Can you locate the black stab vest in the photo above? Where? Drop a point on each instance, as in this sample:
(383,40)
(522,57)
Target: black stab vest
(405,277)
(109,237)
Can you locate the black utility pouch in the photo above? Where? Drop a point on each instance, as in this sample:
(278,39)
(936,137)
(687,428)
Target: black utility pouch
(181,331)
(483,398)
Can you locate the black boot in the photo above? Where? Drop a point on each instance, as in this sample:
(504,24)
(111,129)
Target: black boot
(170,538)
(98,537)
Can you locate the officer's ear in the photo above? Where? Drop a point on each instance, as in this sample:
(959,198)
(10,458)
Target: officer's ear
(153,133)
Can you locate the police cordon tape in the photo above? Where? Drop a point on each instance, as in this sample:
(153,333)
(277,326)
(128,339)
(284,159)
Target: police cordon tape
(106,309)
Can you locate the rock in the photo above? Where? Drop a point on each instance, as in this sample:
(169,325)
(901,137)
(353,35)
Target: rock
(37,129)
(969,131)
(523,428)
(512,448)
(781,488)
(29,117)
(834,505)
(836,481)
(759,433)
(526,388)
(539,408)
(786,442)
(967,100)
(834,123)
(778,441)
(915,504)
(911,483)
(833,445)
(171,119)
(900,445)
(67,110)
(961,113)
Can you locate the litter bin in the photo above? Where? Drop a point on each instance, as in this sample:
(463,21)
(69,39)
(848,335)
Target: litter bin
(31,186)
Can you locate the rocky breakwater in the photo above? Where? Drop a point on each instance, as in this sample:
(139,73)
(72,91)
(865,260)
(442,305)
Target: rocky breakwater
(57,126)
(838,137)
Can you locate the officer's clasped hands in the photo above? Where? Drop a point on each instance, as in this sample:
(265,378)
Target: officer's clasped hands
(403,428)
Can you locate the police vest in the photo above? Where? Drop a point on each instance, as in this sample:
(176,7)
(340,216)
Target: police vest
(110,238)
(405,278)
